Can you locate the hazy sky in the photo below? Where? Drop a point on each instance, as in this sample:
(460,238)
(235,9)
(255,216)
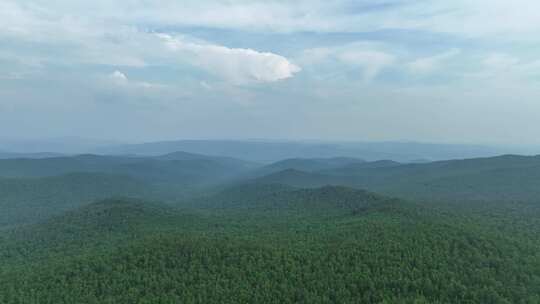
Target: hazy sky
(139,70)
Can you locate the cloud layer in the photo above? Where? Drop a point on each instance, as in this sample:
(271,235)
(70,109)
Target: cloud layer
(362,69)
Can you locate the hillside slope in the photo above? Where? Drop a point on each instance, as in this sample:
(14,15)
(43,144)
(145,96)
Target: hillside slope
(308,164)
(509,178)
(131,252)
(283,200)
(179,167)
(33,199)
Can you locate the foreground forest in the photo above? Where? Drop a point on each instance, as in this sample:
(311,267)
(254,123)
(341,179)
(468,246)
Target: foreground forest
(298,231)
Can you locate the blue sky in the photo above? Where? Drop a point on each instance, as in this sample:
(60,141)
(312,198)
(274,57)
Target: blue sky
(439,71)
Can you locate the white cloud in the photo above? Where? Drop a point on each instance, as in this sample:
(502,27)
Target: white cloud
(430,64)
(235,65)
(240,14)
(118,77)
(464,17)
(205,85)
(104,39)
(501,19)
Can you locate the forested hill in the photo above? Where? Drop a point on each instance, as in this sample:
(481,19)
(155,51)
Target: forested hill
(97,224)
(100,218)
(169,167)
(113,214)
(180,155)
(291,236)
(35,189)
(32,199)
(508,178)
(308,164)
(283,200)
(181,176)
(124,251)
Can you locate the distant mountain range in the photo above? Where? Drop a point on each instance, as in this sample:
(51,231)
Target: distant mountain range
(63,145)
(262,151)
(178,167)
(268,151)
(10,155)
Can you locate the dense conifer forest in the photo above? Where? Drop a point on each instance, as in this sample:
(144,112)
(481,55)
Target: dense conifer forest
(252,239)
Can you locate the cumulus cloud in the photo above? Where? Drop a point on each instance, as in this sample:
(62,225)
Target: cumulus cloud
(118,77)
(432,63)
(236,65)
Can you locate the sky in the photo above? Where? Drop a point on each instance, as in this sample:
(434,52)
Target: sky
(463,71)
